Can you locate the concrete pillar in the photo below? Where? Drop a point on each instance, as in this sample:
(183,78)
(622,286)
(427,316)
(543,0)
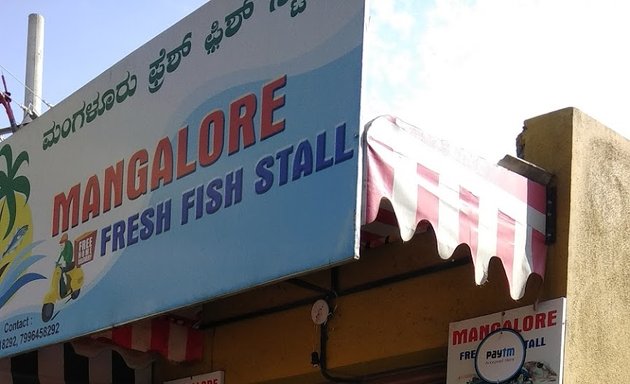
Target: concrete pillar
(34,65)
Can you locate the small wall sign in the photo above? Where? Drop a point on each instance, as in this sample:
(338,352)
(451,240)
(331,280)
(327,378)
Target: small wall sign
(500,356)
(207,378)
(517,346)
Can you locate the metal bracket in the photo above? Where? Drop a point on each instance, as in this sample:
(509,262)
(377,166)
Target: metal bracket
(550,225)
(540,176)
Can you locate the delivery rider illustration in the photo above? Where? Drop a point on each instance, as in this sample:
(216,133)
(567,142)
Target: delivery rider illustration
(66,261)
(66,280)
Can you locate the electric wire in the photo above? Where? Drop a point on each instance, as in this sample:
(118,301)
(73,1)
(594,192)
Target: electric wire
(26,87)
(22,107)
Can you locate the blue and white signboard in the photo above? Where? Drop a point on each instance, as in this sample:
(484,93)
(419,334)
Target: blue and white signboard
(221,155)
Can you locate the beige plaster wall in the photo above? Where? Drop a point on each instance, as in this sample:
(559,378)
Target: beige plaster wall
(593,169)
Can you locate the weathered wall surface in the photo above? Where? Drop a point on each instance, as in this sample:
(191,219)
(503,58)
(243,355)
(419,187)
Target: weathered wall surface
(400,325)
(599,261)
(598,264)
(547,142)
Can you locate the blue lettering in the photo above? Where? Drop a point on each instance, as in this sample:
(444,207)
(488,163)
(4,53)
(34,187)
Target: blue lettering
(199,203)
(105,238)
(303,162)
(137,227)
(132,227)
(214,194)
(283,156)
(118,236)
(187,204)
(234,187)
(499,353)
(147,223)
(341,154)
(163,217)
(266,176)
(301,165)
(321,162)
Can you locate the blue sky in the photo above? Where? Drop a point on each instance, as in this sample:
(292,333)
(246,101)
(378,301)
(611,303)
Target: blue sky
(82,39)
(468,70)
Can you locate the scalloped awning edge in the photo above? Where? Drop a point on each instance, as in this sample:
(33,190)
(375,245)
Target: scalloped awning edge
(467,200)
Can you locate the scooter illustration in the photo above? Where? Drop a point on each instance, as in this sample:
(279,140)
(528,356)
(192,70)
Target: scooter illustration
(66,281)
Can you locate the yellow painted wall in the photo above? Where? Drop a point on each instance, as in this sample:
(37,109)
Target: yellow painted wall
(401,325)
(598,265)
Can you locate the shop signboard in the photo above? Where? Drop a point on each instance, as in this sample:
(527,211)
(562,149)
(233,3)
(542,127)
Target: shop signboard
(221,155)
(523,345)
(207,378)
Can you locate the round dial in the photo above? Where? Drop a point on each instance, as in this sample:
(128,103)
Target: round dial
(320,311)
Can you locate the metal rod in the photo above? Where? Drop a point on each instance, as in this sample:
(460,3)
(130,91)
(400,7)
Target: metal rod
(405,276)
(262,312)
(305,284)
(356,289)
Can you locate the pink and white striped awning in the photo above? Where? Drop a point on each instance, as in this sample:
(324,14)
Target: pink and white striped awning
(171,337)
(496,212)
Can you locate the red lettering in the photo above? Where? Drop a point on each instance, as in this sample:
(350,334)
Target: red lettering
(214,120)
(484,330)
(137,172)
(162,167)
(269,127)
(91,199)
(473,335)
(516,327)
(242,113)
(460,337)
(540,320)
(551,318)
(495,326)
(62,205)
(183,168)
(113,182)
(528,323)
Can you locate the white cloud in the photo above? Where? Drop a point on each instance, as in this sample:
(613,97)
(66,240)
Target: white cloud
(479,68)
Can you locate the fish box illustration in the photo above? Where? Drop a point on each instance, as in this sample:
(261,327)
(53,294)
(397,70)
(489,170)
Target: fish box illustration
(84,247)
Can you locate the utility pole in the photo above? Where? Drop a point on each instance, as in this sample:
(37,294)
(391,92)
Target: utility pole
(34,67)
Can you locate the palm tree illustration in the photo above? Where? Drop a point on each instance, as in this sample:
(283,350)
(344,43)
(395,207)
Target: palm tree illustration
(10,184)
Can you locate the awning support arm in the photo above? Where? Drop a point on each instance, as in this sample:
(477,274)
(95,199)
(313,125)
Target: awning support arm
(539,175)
(446,265)
(305,284)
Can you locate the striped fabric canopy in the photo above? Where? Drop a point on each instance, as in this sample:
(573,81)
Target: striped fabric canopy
(60,364)
(414,182)
(174,338)
(123,354)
